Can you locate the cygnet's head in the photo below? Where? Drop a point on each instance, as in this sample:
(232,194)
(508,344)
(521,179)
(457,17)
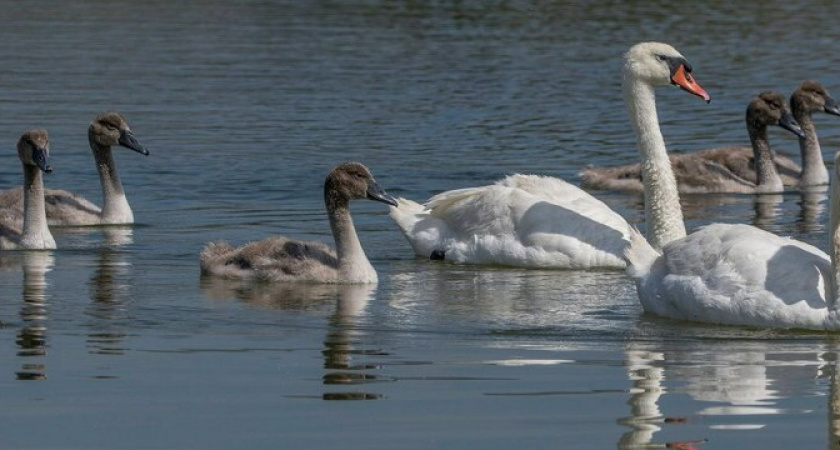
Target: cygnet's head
(111,129)
(660,64)
(812,97)
(770,108)
(34,149)
(353,181)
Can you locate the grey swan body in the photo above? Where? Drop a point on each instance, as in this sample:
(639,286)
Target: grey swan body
(282,259)
(734,169)
(33,151)
(65,208)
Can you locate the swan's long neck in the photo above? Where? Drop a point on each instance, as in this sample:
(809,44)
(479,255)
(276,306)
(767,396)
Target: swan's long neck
(834,242)
(36,233)
(767,177)
(813,166)
(662,201)
(353,264)
(115,209)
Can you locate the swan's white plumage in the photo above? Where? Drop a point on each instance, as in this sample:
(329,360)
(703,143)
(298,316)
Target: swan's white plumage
(522,220)
(532,221)
(737,275)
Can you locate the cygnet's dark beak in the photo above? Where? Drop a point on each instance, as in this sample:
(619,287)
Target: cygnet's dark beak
(831,107)
(39,155)
(127,140)
(375,192)
(789,123)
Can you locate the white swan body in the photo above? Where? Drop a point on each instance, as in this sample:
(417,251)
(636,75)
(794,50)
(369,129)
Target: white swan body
(33,151)
(522,220)
(65,208)
(532,221)
(736,275)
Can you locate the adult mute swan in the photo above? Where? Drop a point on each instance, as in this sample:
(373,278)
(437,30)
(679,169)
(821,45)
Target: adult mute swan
(281,259)
(742,275)
(734,169)
(33,150)
(535,221)
(68,209)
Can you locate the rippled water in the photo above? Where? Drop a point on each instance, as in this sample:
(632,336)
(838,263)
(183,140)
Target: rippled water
(116,341)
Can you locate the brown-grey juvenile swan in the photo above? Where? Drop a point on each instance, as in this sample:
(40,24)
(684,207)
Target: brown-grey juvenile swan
(68,209)
(534,221)
(734,169)
(282,259)
(33,150)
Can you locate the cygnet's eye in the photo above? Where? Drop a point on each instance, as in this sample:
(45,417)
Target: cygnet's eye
(360,176)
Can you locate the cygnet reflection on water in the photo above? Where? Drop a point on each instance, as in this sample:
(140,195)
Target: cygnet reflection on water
(345,337)
(32,336)
(110,294)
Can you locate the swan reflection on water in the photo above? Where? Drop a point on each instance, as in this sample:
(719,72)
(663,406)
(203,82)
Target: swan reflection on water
(110,293)
(743,382)
(32,336)
(344,342)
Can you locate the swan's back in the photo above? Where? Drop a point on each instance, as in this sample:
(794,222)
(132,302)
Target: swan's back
(740,275)
(717,170)
(62,207)
(522,220)
(273,259)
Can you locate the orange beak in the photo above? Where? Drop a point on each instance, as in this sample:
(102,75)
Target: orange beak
(686,82)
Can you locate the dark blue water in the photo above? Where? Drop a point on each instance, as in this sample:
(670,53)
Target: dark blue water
(115,341)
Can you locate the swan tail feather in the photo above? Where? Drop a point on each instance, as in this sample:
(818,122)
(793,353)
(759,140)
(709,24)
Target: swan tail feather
(640,255)
(425,233)
(440,204)
(406,214)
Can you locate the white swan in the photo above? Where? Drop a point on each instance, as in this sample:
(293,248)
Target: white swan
(281,259)
(68,209)
(742,275)
(33,150)
(734,169)
(533,221)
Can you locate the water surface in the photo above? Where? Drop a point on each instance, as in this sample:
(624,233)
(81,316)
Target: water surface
(115,341)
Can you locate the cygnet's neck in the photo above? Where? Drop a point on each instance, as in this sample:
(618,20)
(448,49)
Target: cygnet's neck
(36,234)
(115,209)
(767,177)
(353,265)
(662,201)
(814,171)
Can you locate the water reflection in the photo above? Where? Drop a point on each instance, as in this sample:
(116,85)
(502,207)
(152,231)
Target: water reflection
(767,209)
(110,292)
(742,382)
(830,369)
(812,203)
(32,337)
(516,300)
(345,339)
(645,417)
(345,342)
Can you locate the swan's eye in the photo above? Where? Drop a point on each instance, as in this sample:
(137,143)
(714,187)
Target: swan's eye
(661,58)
